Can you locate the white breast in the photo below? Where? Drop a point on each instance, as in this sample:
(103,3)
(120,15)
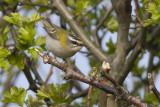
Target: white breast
(57,49)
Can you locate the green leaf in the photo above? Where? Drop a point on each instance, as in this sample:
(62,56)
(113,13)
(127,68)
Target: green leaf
(16,16)
(40,40)
(70,2)
(16,60)
(16,95)
(154,9)
(27,33)
(35,17)
(54,93)
(148,22)
(93,64)
(34,53)
(11,20)
(95,70)
(111,47)
(26,38)
(26,29)
(112,25)
(11,2)
(4,53)
(136,70)
(34,102)
(80,6)
(151,99)
(4,64)
(3,37)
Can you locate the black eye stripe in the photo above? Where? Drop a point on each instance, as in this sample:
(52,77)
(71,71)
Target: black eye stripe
(74,42)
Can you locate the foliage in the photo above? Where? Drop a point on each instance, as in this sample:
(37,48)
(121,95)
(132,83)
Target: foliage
(154,9)
(34,102)
(80,6)
(26,30)
(3,37)
(26,40)
(19,39)
(4,64)
(151,99)
(16,59)
(138,70)
(16,95)
(111,47)
(112,25)
(54,93)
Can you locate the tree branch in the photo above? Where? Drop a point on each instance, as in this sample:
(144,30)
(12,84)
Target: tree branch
(94,32)
(137,50)
(123,11)
(152,86)
(89,95)
(80,94)
(70,74)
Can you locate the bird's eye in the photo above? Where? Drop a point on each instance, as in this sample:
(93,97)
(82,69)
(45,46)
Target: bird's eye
(74,42)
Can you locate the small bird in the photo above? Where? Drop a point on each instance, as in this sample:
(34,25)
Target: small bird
(60,42)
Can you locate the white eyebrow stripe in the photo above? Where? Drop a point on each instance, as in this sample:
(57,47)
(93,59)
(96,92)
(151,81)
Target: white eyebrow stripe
(70,38)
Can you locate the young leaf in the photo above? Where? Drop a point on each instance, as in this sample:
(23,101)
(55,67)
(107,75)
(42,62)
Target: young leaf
(4,64)
(151,99)
(16,60)
(35,17)
(16,16)
(54,93)
(3,37)
(16,95)
(80,6)
(33,52)
(40,40)
(11,20)
(111,47)
(26,38)
(34,102)
(153,8)
(112,25)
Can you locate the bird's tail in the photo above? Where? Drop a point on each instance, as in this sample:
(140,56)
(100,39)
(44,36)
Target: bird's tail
(47,22)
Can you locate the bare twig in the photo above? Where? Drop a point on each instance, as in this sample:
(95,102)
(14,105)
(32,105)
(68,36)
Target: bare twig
(137,17)
(80,94)
(152,86)
(28,75)
(14,35)
(105,69)
(49,75)
(104,18)
(137,26)
(89,95)
(137,10)
(35,72)
(94,32)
